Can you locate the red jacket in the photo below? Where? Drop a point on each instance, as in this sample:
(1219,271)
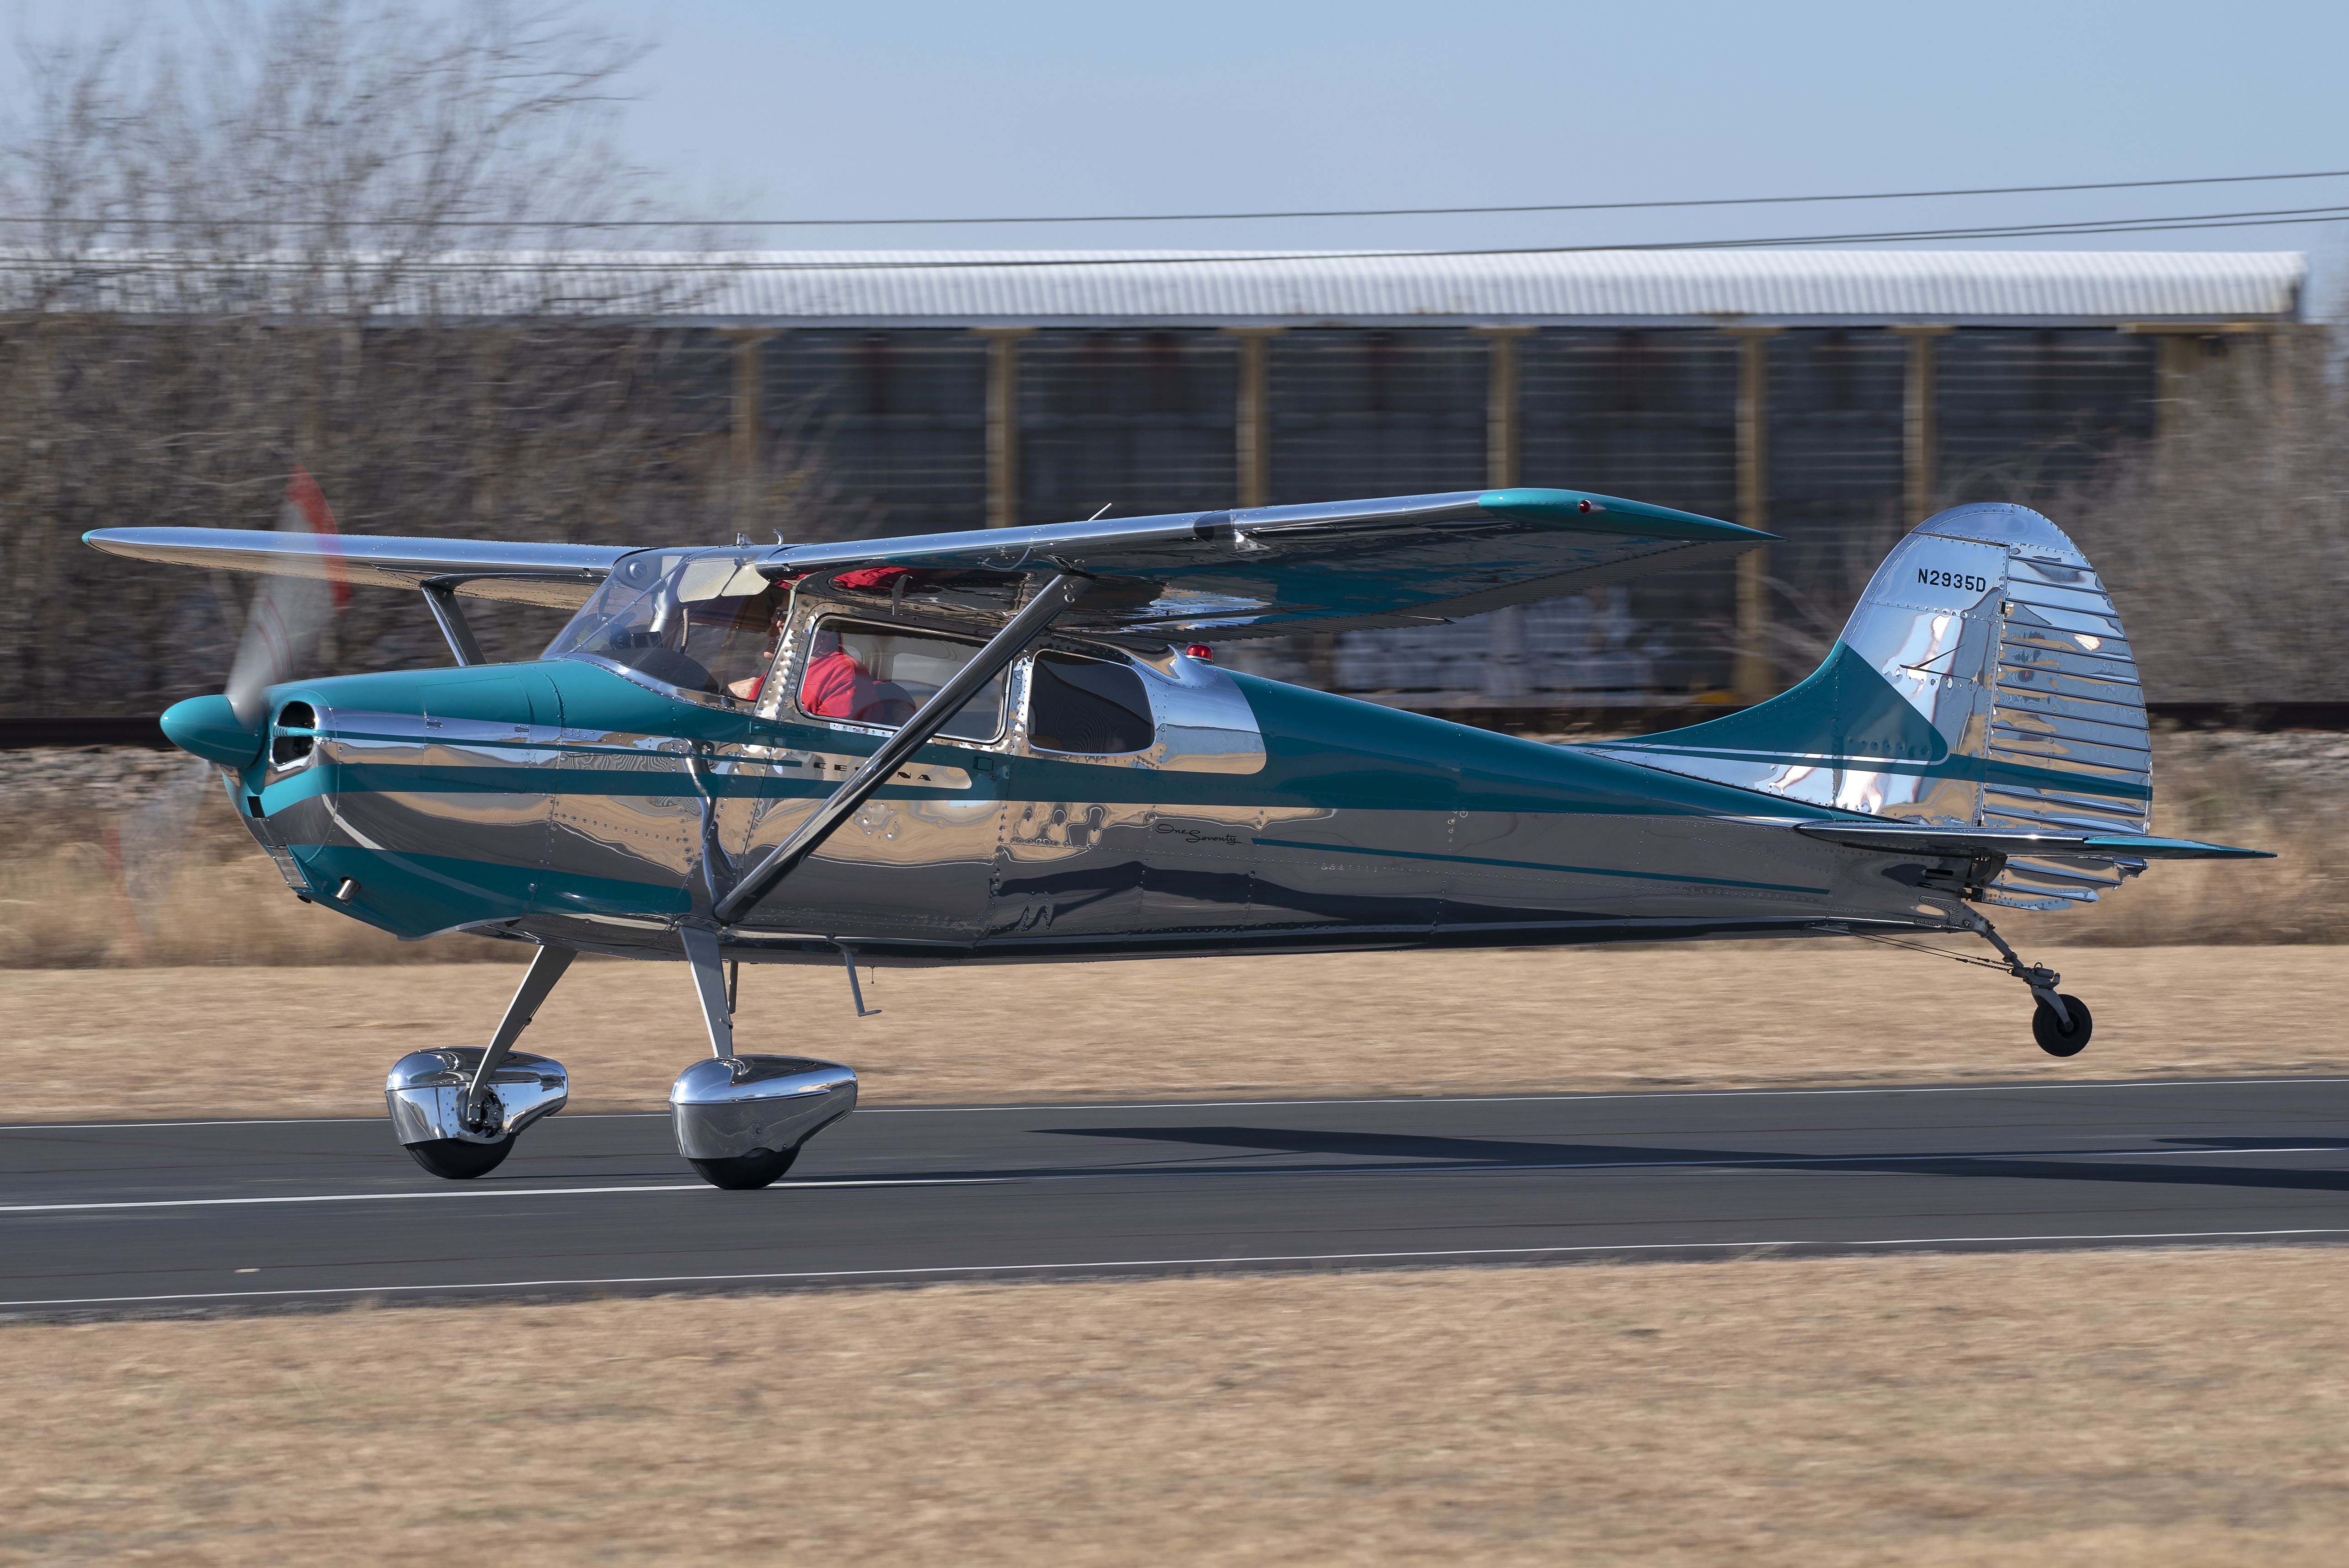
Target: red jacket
(835,686)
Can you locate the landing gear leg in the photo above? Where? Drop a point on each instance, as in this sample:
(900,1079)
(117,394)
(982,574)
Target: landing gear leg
(458,1110)
(545,970)
(710,987)
(2061,1023)
(740,1120)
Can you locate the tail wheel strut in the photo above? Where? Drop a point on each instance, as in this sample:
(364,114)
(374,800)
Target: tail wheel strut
(2062,1022)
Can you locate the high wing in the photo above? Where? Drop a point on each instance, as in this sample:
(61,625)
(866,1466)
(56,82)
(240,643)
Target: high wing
(1218,575)
(1926,839)
(561,575)
(1187,576)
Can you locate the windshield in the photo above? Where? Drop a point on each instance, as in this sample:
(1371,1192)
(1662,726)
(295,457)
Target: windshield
(700,619)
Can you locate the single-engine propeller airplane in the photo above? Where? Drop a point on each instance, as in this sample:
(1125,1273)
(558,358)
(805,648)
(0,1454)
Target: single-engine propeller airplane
(1014,744)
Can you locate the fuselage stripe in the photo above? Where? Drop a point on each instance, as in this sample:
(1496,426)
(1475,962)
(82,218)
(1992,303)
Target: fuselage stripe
(1533,866)
(1969,769)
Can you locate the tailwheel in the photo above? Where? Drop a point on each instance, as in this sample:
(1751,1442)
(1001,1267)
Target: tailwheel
(461,1159)
(746,1173)
(2056,1036)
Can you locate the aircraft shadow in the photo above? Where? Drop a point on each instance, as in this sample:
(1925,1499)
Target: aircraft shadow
(1408,1151)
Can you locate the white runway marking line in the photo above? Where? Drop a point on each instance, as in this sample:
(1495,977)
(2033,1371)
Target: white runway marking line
(883,1182)
(1100,1266)
(1356,1099)
(1599,1094)
(294,1121)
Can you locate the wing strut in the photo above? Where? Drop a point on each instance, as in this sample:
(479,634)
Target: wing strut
(440,598)
(1039,612)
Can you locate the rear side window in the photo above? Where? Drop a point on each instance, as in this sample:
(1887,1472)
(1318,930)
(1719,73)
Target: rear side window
(1087,706)
(870,676)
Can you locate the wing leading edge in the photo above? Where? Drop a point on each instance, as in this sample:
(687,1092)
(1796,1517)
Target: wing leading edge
(552,574)
(1187,576)
(1396,561)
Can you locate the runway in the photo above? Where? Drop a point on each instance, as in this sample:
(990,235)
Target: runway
(144,1216)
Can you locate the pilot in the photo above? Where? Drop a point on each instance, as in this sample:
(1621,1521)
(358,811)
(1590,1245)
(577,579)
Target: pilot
(749,686)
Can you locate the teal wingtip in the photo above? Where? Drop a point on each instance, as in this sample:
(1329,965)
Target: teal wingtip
(1596,513)
(2176,848)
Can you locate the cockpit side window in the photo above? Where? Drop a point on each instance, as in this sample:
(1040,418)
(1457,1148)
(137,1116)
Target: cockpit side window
(871,675)
(701,621)
(1089,706)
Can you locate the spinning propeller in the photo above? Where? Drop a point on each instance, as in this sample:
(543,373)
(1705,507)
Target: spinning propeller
(282,631)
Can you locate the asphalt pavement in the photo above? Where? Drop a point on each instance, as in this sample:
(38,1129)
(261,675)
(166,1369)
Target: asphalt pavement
(143,1216)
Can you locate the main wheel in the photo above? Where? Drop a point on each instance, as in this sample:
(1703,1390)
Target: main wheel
(746,1173)
(460,1160)
(2054,1037)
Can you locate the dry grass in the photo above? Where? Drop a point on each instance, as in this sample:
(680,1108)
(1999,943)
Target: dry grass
(2287,793)
(64,889)
(2154,1408)
(316,1042)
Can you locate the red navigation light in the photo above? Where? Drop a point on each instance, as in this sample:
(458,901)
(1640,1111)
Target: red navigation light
(1200,651)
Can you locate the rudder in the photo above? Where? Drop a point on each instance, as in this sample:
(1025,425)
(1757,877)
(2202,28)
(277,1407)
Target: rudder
(1983,680)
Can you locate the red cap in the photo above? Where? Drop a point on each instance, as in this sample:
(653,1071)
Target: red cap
(1200,651)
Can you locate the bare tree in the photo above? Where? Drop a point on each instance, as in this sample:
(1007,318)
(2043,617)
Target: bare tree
(2226,542)
(349,234)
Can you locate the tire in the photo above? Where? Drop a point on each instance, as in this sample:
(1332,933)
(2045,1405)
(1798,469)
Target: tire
(457,1160)
(746,1173)
(2056,1040)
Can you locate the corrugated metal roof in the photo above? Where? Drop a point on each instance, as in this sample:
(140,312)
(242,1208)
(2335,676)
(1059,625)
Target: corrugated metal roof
(916,288)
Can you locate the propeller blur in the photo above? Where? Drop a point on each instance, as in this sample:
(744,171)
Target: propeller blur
(281,634)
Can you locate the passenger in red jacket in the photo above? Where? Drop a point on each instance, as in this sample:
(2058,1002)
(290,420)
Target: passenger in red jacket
(837,684)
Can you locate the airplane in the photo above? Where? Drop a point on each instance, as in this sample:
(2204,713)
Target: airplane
(1015,744)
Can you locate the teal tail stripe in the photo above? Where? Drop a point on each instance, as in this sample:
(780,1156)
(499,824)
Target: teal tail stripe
(1973,769)
(1533,866)
(1846,716)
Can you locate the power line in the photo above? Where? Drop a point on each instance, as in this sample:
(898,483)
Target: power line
(1166,217)
(2023,230)
(670,261)
(1470,211)
(2031,231)
(2028,231)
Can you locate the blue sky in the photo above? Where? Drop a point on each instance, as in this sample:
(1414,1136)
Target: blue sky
(784,108)
(925,108)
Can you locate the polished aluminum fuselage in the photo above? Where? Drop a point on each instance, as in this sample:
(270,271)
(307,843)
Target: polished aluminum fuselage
(575,802)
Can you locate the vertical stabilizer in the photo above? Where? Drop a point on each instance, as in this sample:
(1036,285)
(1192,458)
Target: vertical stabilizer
(1983,680)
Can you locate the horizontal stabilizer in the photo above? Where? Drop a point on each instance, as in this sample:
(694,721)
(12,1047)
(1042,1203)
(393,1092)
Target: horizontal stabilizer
(1920,839)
